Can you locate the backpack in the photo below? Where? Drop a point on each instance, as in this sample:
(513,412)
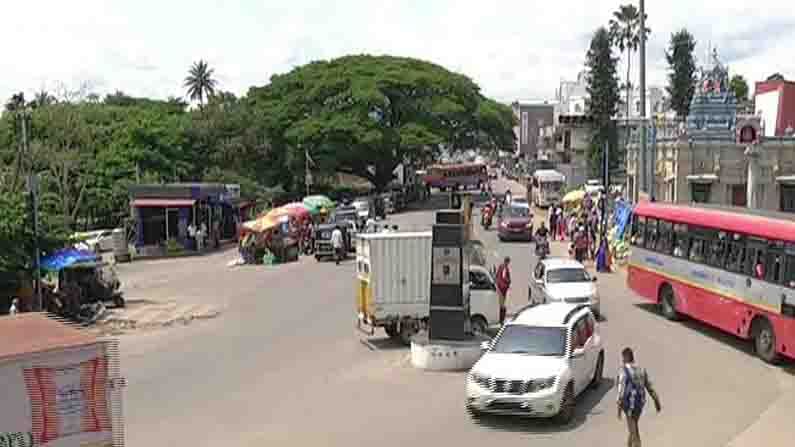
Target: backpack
(634,397)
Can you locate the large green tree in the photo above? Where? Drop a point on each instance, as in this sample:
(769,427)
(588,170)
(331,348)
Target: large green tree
(682,71)
(625,34)
(603,92)
(739,86)
(200,82)
(364,115)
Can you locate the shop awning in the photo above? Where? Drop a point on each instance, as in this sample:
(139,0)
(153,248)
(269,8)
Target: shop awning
(702,178)
(163,203)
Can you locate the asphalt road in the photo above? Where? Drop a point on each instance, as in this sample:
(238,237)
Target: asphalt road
(284,363)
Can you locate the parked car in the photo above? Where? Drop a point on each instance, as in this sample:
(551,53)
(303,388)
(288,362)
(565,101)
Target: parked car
(97,241)
(538,364)
(515,223)
(566,280)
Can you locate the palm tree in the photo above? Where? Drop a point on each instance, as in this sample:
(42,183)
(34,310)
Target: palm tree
(16,102)
(200,82)
(42,98)
(625,34)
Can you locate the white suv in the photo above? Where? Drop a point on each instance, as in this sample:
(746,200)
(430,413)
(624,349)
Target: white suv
(538,364)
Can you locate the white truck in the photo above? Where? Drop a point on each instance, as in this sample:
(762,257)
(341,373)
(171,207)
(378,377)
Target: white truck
(547,186)
(393,273)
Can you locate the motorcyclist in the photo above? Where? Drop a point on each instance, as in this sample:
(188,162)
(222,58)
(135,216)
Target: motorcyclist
(542,241)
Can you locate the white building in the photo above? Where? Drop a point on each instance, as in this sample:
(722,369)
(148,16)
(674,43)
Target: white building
(572,96)
(656,102)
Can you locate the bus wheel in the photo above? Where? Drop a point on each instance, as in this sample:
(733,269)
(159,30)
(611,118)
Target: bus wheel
(668,303)
(764,340)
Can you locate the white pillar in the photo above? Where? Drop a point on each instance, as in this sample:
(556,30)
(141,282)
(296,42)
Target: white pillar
(752,156)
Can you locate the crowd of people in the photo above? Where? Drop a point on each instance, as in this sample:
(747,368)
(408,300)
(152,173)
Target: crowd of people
(580,225)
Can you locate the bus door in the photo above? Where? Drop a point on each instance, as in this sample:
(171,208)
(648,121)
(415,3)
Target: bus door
(757,291)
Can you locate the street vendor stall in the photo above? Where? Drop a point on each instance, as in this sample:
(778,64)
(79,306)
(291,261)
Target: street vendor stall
(83,285)
(276,235)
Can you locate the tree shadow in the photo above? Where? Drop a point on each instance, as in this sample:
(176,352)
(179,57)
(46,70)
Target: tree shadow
(585,407)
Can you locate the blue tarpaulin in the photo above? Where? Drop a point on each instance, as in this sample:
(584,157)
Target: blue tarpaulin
(68,257)
(622,215)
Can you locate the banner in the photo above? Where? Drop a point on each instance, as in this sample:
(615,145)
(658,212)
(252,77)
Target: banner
(57,399)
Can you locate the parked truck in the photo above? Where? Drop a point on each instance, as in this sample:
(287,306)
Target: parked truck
(393,273)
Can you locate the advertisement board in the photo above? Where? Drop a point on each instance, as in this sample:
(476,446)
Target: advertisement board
(58,397)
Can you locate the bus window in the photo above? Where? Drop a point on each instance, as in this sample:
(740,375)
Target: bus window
(681,239)
(754,263)
(697,249)
(717,254)
(789,271)
(638,230)
(651,233)
(734,260)
(664,241)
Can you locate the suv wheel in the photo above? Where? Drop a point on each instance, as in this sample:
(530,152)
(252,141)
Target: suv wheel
(566,413)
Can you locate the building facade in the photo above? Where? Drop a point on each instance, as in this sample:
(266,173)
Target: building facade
(774,102)
(531,117)
(717,156)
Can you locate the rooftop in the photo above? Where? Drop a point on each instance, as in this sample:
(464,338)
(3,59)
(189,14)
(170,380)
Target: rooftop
(30,333)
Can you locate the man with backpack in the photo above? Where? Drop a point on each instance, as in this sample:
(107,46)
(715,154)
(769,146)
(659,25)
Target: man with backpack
(633,383)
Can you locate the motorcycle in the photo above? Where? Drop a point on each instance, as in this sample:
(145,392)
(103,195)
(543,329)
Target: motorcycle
(542,247)
(486,217)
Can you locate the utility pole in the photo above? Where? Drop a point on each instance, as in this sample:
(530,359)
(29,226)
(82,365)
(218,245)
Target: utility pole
(307,170)
(33,190)
(643,156)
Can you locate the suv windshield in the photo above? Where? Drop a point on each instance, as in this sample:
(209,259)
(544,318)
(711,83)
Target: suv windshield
(518,211)
(567,275)
(531,340)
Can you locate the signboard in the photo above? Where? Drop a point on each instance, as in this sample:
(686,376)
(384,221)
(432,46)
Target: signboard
(446,266)
(57,399)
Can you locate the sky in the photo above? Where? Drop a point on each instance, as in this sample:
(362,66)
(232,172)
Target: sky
(512,49)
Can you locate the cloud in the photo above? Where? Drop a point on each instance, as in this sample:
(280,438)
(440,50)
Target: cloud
(513,49)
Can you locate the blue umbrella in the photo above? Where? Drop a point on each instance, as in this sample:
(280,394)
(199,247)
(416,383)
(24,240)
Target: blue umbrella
(67,257)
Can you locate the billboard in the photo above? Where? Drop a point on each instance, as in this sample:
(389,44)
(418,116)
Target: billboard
(66,396)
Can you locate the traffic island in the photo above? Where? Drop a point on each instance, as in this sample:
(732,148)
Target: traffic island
(445,355)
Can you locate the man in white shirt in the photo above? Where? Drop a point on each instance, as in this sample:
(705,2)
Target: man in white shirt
(337,244)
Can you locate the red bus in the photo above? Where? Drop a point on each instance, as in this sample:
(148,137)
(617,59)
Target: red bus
(733,271)
(454,176)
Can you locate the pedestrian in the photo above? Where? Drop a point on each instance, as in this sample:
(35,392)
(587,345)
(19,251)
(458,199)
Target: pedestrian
(503,285)
(633,383)
(553,220)
(337,244)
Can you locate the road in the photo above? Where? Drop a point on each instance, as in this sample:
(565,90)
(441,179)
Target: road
(284,363)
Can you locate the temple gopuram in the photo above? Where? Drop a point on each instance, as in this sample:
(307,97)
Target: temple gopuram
(717,156)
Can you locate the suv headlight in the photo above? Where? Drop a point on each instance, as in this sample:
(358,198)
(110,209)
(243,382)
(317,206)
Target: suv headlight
(544,384)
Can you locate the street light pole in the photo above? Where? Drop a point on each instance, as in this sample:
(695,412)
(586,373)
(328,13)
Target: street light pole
(643,155)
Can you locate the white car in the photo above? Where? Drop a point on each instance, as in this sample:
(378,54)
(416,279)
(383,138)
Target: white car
(563,280)
(484,308)
(538,364)
(98,240)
